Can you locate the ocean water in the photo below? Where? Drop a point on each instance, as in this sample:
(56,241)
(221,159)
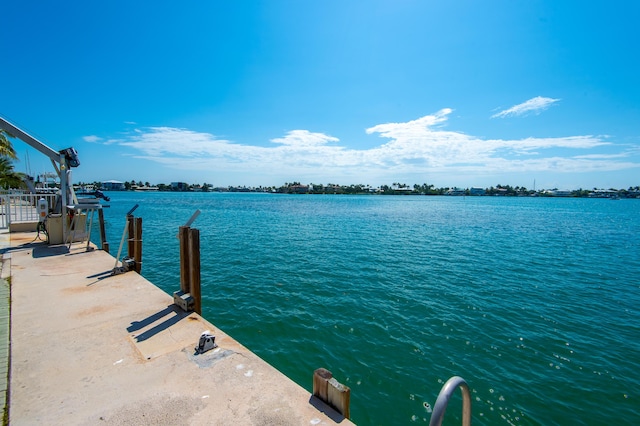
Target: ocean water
(535,302)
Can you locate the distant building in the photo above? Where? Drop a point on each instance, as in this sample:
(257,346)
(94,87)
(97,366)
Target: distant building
(559,193)
(179,186)
(299,189)
(403,190)
(603,193)
(477,191)
(455,191)
(113,185)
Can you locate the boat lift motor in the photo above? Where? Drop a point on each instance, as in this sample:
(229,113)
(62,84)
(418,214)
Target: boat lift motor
(71,155)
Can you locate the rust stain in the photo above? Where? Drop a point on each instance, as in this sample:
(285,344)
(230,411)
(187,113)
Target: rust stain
(94,310)
(76,290)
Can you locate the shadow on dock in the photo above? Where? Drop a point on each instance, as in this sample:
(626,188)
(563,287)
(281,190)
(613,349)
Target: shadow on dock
(327,410)
(40,251)
(173,315)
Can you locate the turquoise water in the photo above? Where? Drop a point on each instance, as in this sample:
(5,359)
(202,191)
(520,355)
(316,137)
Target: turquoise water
(535,302)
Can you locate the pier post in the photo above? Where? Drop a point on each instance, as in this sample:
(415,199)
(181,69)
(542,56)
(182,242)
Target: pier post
(185,280)
(137,250)
(321,383)
(339,396)
(330,391)
(131,236)
(194,269)
(103,233)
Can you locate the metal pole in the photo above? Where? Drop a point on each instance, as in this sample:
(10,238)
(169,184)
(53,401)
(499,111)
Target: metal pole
(63,196)
(443,400)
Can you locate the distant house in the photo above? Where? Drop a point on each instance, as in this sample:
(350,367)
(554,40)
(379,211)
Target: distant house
(179,186)
(559,193)
(299,189)
(477,191)
(403,190)
(455,191)
(603,193)
(113,185)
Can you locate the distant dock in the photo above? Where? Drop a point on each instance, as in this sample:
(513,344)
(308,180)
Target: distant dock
(88,347)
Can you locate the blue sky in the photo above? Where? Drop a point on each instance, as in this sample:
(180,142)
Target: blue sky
(460,93)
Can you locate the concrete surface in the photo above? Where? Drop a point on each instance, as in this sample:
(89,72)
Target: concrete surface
(91,348)
(4,326)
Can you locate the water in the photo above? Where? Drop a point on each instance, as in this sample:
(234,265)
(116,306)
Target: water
(535,302)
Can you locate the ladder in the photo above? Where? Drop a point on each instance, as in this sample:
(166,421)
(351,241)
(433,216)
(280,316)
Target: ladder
(443,400)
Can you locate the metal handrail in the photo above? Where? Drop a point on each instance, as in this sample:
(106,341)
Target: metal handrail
(21,207)
(443,400)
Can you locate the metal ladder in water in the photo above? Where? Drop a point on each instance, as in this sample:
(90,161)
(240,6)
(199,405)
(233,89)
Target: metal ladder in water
(443,400)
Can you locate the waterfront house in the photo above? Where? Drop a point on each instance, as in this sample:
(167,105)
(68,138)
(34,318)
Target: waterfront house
(113,185)
(559,193)
(455,191)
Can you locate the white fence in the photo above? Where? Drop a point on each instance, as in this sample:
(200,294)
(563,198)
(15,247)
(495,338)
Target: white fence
(21,207)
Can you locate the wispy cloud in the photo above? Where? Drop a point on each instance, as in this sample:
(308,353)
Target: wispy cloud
(415,147)
(534,105)
(304,138)
(179,143)
(91,138)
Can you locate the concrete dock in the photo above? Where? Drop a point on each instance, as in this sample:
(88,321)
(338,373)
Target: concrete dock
(88,347)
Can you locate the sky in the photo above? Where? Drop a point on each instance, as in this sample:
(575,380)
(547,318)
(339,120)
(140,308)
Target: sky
(539,94)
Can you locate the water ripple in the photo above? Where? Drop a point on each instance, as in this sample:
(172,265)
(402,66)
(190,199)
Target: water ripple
(533,301)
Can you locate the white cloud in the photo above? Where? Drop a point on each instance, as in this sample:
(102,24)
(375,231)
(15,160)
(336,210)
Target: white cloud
(304,138)
(534,105)
(414,148)
(91,138)
(411,129)
(169,141)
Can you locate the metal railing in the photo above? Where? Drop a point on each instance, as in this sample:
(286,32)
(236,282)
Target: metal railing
(443,400)
(21,207)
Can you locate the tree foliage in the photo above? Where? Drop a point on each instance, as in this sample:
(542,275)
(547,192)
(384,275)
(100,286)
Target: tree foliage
(9,178)
(6,148)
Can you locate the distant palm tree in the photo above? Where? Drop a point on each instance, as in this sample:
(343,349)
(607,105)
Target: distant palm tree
(9,178)
(6,148)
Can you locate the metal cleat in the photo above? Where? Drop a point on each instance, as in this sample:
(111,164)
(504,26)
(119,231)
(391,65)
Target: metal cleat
(206,343)
(128,264)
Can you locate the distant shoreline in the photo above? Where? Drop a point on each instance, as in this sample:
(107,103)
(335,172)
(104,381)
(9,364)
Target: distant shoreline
(394,189)
(542,194)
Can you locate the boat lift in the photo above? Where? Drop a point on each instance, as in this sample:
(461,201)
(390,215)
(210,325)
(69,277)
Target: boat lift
(62,161)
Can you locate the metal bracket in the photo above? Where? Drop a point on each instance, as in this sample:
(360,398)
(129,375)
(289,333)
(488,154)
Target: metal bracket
(184,301)
(206,343)
(128,264)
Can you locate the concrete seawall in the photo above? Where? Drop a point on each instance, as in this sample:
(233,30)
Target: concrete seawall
(91,348)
